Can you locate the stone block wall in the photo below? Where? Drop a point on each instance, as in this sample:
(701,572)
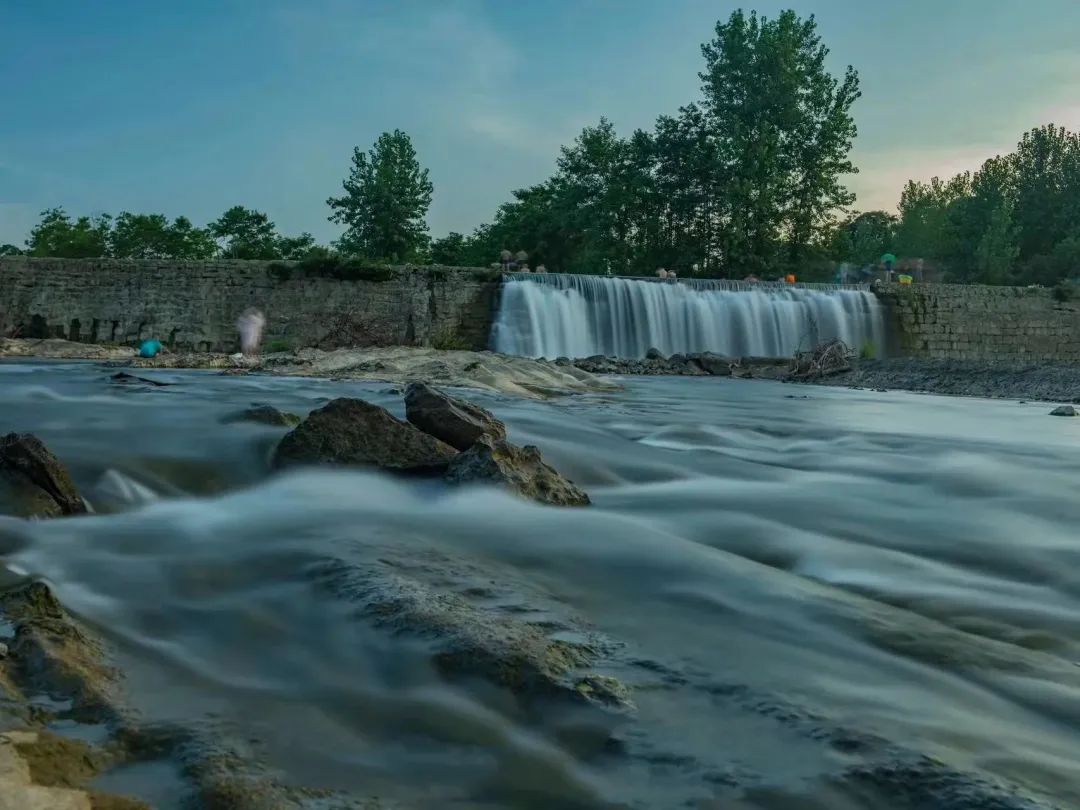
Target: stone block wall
(972,322)
(194,305)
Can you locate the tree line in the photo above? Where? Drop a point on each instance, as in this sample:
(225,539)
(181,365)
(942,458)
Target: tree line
(745,179)
(1016,220)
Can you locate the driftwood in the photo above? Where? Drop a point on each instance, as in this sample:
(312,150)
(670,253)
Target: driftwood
(831,357)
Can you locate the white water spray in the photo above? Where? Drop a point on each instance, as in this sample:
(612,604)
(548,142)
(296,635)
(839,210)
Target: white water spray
(556,315)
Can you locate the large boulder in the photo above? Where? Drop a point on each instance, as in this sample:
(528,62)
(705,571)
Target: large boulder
(33,482)
(353,432)
(518,469)
(454,421)
(1064,410)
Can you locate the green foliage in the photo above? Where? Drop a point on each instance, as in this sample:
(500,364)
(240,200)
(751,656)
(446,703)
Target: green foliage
(151,236)
(56,235)
(245,234)
(744,180)
(10,250)
(1013,221)
(449,250)
(323,264)
(386,199)
(862,239)
(868,351)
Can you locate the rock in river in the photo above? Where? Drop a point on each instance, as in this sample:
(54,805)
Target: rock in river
(454,421)
(33,482)
(1064,410)
(353,432)
(519,469)
(264,415)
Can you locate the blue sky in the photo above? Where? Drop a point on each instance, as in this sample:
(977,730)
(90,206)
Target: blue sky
(191,107)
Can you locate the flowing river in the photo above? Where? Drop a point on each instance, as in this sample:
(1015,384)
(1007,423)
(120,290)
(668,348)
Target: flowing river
(819,598)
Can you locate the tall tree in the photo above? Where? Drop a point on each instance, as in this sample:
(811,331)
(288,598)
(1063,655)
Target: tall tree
(56,235)
(783,128)
(449,250)
(386,200)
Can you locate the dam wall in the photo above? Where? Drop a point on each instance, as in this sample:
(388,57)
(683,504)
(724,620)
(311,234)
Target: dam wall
(975,322)
(195,305)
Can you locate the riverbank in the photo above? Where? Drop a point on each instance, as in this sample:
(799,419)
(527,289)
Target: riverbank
(486,371)
(538,379)
(964,378)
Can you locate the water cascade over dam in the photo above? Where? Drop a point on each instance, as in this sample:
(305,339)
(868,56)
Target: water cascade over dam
(555,315)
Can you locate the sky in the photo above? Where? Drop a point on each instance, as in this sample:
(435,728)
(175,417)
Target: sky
(192,107)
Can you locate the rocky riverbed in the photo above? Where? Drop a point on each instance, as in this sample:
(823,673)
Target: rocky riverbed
(777,597)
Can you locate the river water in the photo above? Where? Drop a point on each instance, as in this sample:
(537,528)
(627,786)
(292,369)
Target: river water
(820,598)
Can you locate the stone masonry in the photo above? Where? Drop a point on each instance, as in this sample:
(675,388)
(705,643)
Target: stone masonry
(194,305)
(972,322)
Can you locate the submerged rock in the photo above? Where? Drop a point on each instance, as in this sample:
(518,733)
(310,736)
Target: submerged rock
(263,415)
(33,482)
(451,420)
(519,469)
(352,432)
(1064,410)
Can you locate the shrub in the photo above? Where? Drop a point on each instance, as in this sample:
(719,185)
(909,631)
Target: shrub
(868,351)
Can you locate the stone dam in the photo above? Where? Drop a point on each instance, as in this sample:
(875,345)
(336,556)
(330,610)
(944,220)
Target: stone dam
(194,306)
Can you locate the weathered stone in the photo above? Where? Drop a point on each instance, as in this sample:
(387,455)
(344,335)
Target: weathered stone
(714,364)
(264,415)
(193,306)
(33,482)
(451,420)
(352,432)
(519,469)
(1064,410)
(654,354)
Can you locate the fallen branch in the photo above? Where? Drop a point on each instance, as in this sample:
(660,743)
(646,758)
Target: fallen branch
(827,359)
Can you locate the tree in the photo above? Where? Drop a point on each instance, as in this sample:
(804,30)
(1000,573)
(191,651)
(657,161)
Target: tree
(386,200)
(150,236)
(997,249)
(10,250)
(246,234)
(295,248)
(783,130)
(449,250)
(56,235)
(923,214)
(863,238)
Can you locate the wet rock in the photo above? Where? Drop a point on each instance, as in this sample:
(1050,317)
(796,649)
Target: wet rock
(51,653)
(352,432)
(604,690)
(519,469)
(33,482)
(454,421)
(123,378)
(3,650)
(473,640)
(654,354)
(1064,410)
(714,364)
(264,415)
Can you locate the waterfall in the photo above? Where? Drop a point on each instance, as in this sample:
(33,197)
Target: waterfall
(555,315)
